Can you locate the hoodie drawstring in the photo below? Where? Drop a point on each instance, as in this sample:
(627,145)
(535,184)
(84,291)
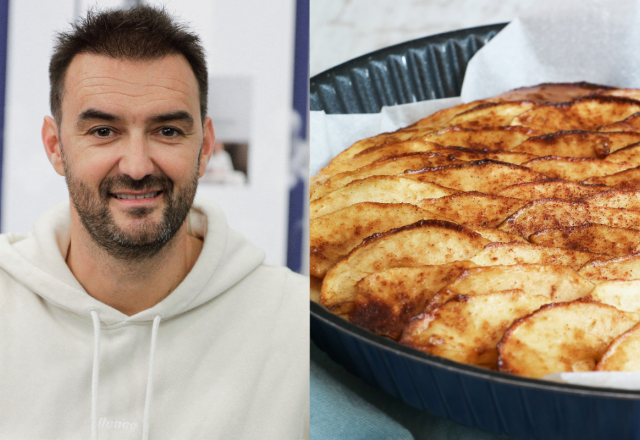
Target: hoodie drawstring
(147,399)
(95,378)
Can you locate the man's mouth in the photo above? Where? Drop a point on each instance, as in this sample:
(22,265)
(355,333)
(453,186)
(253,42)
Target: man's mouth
(131,196)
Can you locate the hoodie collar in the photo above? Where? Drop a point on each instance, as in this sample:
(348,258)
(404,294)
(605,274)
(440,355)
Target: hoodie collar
(37,260)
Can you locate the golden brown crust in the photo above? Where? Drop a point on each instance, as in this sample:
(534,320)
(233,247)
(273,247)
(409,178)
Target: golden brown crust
(629,154)
(632,123)
(573,143)
(373,154)
(381,189)
(474,208)
(558,283)
(495,254)
(599,239)
(616,199)
(553,92)
(491,138)
(333,236)
(496,114)
(581,331)
(497,236)
(386,166)
(471,154)
(621,268)
(440,118)
(627,180)
(623,353)
(487,176)
(543,214)
(575,169)
(467,328)
(623,295)
(582,114)
(419,224)
(386,301)
(551,189)
(480,177)
(625,93)
(426,242)
(381,139)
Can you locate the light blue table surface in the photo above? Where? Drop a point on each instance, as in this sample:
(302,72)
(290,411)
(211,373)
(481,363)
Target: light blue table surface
(345,408)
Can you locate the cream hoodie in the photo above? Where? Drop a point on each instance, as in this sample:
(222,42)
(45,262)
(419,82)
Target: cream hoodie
(224,356)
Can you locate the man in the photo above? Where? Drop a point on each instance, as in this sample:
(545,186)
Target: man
(132,311)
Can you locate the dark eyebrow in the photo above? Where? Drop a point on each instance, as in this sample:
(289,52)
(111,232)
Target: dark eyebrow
(179,115)
(91,113)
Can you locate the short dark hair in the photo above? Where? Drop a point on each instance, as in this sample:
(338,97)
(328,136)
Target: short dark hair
(140,33)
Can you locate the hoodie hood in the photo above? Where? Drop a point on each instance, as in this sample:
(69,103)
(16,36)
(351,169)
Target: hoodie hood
(37,260)
(225,355)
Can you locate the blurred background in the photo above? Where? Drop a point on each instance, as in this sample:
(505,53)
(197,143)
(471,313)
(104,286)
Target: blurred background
(344,29)
(254,49)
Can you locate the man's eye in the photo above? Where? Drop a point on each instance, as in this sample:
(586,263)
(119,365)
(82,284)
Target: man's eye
(102,132)
(169,132)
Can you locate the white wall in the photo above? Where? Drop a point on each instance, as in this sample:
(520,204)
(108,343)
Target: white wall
(241,37)
(29,183)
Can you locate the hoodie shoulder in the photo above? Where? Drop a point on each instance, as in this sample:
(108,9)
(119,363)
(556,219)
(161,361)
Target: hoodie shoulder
(291,282)
(282,292)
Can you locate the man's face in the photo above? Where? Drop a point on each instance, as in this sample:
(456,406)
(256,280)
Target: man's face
(131,147)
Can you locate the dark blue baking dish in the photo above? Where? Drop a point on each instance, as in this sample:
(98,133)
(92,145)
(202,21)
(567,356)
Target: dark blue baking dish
(430,68)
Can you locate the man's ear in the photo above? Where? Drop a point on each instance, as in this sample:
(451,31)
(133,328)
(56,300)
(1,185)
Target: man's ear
(207,145)
(51,141)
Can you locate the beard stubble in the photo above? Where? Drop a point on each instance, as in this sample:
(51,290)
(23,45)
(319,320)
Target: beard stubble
(147,238)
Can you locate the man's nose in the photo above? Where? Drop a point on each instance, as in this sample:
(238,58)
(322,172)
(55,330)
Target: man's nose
(135,161)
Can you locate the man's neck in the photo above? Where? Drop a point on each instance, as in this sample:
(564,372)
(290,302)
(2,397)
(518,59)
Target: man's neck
(127,286)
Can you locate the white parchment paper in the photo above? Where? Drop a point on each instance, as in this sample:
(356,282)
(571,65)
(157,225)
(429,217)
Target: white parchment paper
(596,41)
(624,380)
(560,41)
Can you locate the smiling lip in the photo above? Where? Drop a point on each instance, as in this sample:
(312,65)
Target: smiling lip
(133,196)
